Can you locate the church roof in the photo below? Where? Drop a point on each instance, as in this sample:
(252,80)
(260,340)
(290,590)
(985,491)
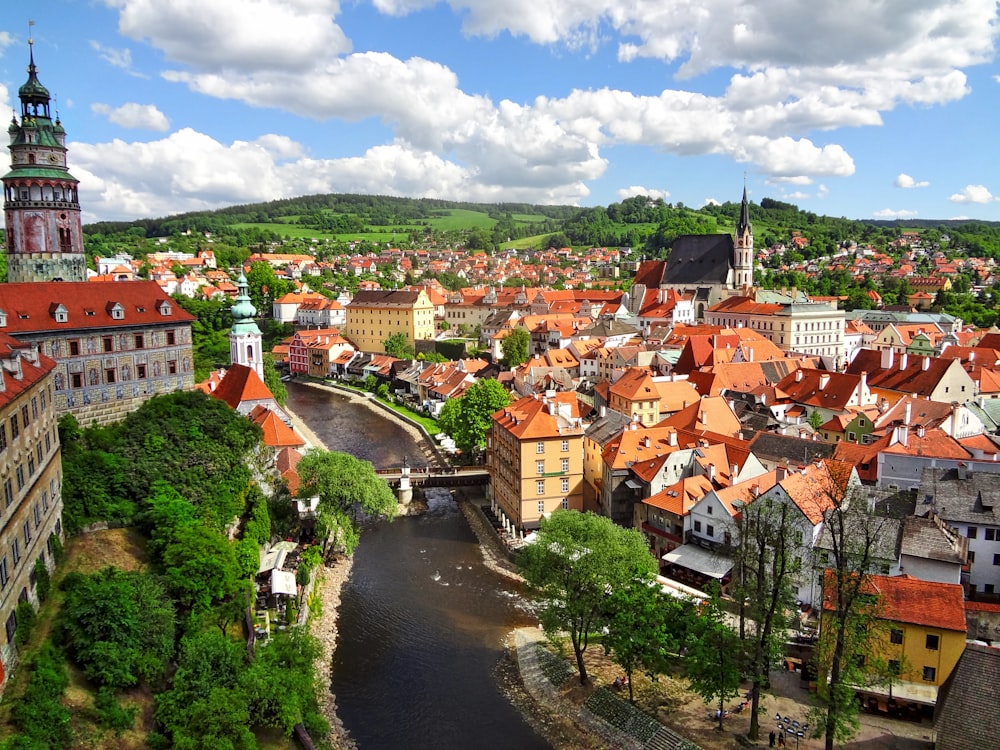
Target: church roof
(242,383)
(700,259)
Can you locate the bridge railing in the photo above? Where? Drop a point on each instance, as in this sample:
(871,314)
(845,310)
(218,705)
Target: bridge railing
(424,470)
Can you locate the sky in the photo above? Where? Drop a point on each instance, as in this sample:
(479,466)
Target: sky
(857,108)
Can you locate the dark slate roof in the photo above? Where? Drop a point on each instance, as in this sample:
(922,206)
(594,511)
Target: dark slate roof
(700,259)
(932,539)
(967,713)
(607,427)
(771,446)
(973,500)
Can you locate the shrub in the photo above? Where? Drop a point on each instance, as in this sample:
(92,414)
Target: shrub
(43,582)
(39,715)
(26,619)
(110,714)
(57,547)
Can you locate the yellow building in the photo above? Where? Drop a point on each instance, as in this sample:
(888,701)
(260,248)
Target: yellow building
(922,637)
(30,472)
(375,315)
(534,453)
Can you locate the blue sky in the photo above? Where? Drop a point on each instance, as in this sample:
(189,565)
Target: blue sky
(856,109)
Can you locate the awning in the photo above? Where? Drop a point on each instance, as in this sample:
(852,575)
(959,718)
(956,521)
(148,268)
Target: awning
(282,582)
(700,560)
(633,483)
(271,560)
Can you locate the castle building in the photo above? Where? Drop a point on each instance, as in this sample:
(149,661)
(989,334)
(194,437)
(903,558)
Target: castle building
(41,204)
(31,475)
(705,268)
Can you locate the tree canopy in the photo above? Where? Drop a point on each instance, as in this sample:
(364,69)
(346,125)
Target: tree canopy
(516,347)
(467,418)
(575,561)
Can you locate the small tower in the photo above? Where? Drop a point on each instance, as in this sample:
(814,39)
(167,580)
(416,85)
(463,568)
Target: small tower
(743,262)
(245,346)
(405,493)
(41,204)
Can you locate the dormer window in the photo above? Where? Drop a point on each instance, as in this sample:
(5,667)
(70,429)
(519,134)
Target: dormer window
(59,313)
(3,319)
(165,309)
(117,310)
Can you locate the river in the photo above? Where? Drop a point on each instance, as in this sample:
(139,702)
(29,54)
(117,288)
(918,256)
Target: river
(421,618)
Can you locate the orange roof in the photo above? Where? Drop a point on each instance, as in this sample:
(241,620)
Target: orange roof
(681,496)
(907,599)
(239,384)
(276,433)
(33,367)
(532,418)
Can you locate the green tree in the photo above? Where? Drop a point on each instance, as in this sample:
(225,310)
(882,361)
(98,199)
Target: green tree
(272,379)
(815,419)
(644,626)
(516,347)
(264,286)
(200,567)
(714,654)
(573,564)
(348,489)
(467,418)
(118,626)
(396,346)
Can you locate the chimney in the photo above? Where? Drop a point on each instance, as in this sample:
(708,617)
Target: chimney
(888,355)
(798,375)
(733,471)
(864,384)
(903,435)
(954,419)
(646,443)
(633,426)
(672,438)
(972,356)
(781,470)
(604,411)
(925,365)
(711,472)
(907,413)
(824,380)
(904,360)
(921,430)
(749,354)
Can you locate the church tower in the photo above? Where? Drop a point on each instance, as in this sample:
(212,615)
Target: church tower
(743,260)
(41,204)
(245,346)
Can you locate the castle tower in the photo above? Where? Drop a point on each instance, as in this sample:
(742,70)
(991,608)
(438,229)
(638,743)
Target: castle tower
(743,260)
(245,346)
(41,205)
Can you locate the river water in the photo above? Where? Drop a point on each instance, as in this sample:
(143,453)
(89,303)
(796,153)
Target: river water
(421,618)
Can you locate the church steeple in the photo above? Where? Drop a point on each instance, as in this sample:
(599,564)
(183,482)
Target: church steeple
(41,205)
(245,347)
(743,262)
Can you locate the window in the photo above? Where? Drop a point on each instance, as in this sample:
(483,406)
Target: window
(894,667)
(15,552)
(171,338)
(539,467)
(74,348)
(709,510)
(996,559)
(76,379)
(109,375)
(565,445)
(971,533)
(24,416)
(11,627)
(37,512)
(697,526)
(15,427)
(20,478)
(108,342)
(31,466)
(3,437)
(172,366)
(991,534)
(4,572)
(541,507)
(27,533)
(34,408)
(988,588)
(140,372)
(972,556)
(540,487)
(930,674)
(8,492)
(931,643)
(565,503)
(45,501)
(564,465)
(564,487)
(896,635)
(539,447)
(140,341)
(710,530)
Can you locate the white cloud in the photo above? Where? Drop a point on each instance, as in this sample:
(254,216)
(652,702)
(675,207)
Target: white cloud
(710,202)
(117,58)
(133,115)
(904,180)
(633,190)
(890,213)
(822,191)
(973,194)
(797,195)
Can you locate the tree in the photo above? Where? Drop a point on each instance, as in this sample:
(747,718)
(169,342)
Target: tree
(516,347)
(573,564)
(765,567)
(467,418)
(397,346)
(849,616)
(118,626)
(273,380)
(200,567)
(264,286)
(815,419)
(644,626)
(348,489)
(714,655)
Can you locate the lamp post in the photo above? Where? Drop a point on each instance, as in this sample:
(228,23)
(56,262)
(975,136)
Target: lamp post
(791,727)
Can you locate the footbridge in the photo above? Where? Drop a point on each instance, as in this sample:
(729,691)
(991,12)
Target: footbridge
(430,476)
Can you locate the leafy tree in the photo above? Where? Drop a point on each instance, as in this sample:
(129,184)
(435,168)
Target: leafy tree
(43,581)
(348,489)
(849,617)
(644,626)
(714,654)
(39,715)
(765,568)
(516,347)
(467,418)
(200,567)
(272,379)
(397,346)
(264,286)
(118,626)
(576,559)
(815,419)
(26,619)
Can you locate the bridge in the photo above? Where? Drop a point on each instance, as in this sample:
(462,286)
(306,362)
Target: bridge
(432,476)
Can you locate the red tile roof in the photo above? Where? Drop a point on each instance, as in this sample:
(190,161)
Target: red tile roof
(910,600)
(241,383)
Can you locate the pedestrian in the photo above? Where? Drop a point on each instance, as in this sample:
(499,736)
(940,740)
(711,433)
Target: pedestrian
(771,739)
(781,738)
